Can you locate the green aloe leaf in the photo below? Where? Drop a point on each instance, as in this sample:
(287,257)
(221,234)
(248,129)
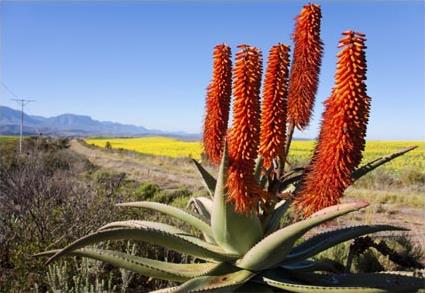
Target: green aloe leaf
(163,227)
(313,266)
(336,208)
(222,283)
(273,249)
(202,206)
(251,287)
(234,232)
(144,266)
(273,220)
(148,224)
(363,282)
(174,212)
(363,170)
(207,179)
(292,286)
(323,241)
(165,290)
(292,177)
(179,243)
(258,167)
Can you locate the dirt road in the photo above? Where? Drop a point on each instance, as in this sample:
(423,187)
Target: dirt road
(168,173)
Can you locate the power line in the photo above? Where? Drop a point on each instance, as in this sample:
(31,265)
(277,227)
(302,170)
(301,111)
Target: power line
(22,102)
(8,89)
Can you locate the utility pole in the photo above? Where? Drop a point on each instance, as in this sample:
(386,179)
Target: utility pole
(22,102)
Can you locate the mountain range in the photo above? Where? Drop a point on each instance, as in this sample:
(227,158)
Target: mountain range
(74,125)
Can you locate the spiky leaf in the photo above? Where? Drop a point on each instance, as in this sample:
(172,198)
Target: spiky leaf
(313,266)
(148,224)
(346,283)
(202,206)
(221,283)
(273,249)
(258,167)
(323,241)
(235,232)
(144,266)
(206,178)
(363,170)
(174,212)
(175,242)
(251,287)
(273,220)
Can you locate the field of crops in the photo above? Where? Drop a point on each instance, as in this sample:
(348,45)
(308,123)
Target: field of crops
(300,150)
(7,138)
(160,146)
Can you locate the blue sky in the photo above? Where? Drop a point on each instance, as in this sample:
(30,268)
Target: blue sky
(149,62)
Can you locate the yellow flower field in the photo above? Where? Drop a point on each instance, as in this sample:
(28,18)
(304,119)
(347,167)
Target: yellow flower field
(300,150)
(155,145)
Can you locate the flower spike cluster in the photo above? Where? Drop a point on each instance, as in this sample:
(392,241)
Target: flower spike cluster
(243,137)
(342,135)
(305,69)
(273,114)
(218,104)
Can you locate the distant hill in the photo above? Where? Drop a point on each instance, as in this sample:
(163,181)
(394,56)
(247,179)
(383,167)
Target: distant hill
(74,125)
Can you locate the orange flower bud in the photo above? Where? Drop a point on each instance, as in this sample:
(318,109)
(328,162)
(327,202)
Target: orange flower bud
(342,135)
(305,69)
(243,137)
(218,104)
(273,114)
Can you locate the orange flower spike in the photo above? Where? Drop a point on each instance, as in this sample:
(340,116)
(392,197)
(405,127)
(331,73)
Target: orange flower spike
(273,114)
(243,137)
(218,104)
(305,69)
(342,135)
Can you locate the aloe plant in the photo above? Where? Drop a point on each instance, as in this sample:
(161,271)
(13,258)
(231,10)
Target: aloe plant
(241,251)
(243,246)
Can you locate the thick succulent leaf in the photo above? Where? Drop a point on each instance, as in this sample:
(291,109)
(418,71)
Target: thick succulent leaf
(202,206)
(291,178)
(264,181)
(323,241)
(273,220)
(163,227)
(251,287)
(258,167)
(336,208)
(234,232)
(293,172)
(383,282)
(344,283)
(141,224)
(165,290)
(222,283)
(312,266)
(144,266)
(174,212)
(273,249)
(207,179)
(183,244)
(363,170)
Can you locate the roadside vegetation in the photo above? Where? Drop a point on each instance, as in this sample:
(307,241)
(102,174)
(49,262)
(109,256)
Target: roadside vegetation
(401,181)
(45,190)
(50,196)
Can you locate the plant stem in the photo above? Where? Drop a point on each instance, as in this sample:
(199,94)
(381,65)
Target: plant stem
(291,128)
